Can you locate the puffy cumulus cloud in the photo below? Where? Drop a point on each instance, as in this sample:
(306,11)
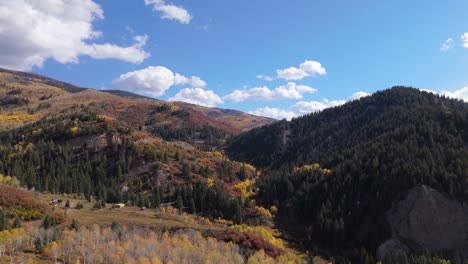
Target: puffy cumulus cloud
(170,12)
(288,91)
(305,107)
(358,95)
(292,91)
(298,109)
(194,81)
(197,96)
(306,69)
(36,30)
(459,94)
(153,81)
(302,107)
(447,44)
(133,53)
(275,113)
(464,38)
(256,93)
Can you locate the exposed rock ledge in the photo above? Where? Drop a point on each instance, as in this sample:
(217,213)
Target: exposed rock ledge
(423,219)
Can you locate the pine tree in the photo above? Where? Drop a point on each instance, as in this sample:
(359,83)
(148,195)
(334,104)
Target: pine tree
(192,205)
(179,204)
(156,198)
(74,224)
(242,175)
(17,223)
(186,173)
(119,172)
(238,217)
(3,221)
(48,222)
(141,200)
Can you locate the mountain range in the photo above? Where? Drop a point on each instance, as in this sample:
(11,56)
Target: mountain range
(351,183)
(27,97)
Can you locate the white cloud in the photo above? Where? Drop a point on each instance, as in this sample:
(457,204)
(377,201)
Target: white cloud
(256,94)
(305,107)
(459,94)
(194,81)
(289,91)
(358,95)
(170,12)
(37,30)
(301,108)
(298,109)
(291,73)
(306,69)
(133,53)
(447,44)
(197,82)
(265,78)
(154,81)
(273,113)
(197,96)
(464,38)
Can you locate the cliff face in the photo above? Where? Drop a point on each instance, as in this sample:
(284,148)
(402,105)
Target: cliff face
(427,219)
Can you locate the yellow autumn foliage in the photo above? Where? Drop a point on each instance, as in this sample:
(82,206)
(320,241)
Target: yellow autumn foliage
(12,240)
(37,131)
(210,182)
(103,245)
(264,232)
(14,118)
(249,168)
(246,188)
(312,167)
(218,154)
(74,130)
(264,212)
(219,220)
(273,209)
(260,258)
(105,117)
(9,180)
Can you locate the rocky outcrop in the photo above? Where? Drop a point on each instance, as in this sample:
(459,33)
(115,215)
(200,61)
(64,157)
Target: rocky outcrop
(423,219)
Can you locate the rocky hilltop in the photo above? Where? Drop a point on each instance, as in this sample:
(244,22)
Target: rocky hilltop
(425,218)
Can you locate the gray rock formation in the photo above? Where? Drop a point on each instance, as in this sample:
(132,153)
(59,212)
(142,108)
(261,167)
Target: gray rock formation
(424,218)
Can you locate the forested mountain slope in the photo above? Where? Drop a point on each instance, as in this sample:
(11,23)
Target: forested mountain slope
(235,118)
(27,97)
(116,146)
(373,149)
(156,162)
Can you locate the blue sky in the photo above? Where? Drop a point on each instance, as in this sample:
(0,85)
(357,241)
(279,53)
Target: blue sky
(316,53)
